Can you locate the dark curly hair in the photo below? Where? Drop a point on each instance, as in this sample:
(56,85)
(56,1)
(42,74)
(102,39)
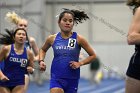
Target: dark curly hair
(9,37)
(78,16)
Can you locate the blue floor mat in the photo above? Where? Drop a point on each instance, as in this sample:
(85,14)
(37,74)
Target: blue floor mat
(85,86)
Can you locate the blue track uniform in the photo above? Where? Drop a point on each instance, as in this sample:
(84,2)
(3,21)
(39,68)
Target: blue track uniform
(15,68)
(1,65)
(62,75)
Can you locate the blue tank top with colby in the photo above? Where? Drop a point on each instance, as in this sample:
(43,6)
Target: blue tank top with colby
(65,50)
(15,68)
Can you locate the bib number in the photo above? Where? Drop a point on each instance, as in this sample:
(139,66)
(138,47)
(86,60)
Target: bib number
(24,63)
(72,43)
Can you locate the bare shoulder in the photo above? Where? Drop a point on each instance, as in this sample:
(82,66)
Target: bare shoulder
(137,14)
(138,10)
(51,38)
(5,50)
(6,47)
(80,38)
(29,51)
(32,40)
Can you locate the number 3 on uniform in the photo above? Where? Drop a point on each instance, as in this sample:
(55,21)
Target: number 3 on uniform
(71,43)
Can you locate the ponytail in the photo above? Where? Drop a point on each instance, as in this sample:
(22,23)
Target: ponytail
(78,16)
